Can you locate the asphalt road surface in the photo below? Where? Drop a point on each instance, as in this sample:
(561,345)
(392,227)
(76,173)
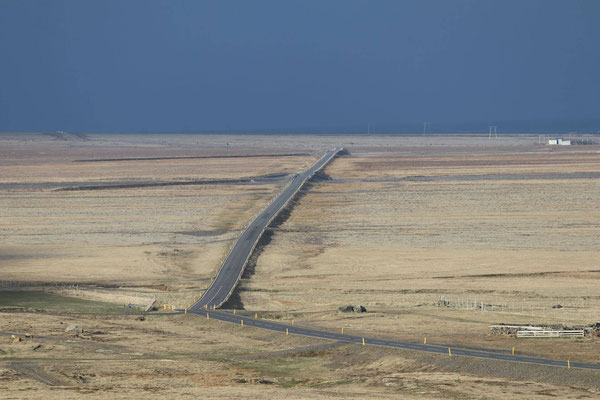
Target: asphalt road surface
(231,270)
(234,264)
(489,354)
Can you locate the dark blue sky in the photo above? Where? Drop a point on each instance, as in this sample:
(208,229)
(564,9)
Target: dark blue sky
(102,66)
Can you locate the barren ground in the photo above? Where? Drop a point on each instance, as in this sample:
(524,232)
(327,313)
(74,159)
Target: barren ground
(404,221)
(512,230)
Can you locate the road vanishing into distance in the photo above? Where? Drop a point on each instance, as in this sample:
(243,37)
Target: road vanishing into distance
(231,270)
(489,354)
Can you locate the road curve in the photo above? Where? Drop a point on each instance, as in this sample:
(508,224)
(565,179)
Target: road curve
(231,270)
(488,354)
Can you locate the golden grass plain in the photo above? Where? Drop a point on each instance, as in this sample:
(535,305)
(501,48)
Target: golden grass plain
(188,356)
(511,230)
(402,222)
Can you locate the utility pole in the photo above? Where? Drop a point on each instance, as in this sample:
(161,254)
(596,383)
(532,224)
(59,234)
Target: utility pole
(426,127)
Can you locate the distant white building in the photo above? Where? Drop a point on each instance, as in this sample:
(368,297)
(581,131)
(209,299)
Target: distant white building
(560,142)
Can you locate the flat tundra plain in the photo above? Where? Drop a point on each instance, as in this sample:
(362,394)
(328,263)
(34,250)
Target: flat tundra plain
(401,223)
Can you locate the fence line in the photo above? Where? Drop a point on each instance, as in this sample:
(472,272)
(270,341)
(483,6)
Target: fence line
(549,334)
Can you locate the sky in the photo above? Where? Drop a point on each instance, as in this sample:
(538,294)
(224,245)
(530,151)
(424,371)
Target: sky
(325,65)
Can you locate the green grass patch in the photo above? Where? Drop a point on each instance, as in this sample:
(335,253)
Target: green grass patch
(279,367)
(39,300)
(290,383)
(286,372)
(331,383)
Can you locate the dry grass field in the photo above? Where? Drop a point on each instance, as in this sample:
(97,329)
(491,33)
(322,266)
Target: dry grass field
(127,232)
(403,221)
(187,356)
(516,230)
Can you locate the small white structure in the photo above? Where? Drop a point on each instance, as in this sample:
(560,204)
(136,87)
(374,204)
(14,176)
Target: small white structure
(560,142)
(550,334)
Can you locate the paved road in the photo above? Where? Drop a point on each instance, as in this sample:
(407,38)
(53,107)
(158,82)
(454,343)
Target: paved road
(429,348)
(231,270)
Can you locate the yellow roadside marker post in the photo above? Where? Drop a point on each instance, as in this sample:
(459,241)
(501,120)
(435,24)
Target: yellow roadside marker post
(363,341)
(513,351)
(164,306)
(569,364)
(207,316)
(255,315)
(449,352)
(205,307)
(292,322)
(425,340)
(242,322)
(286,331)
(342,331)
(185,311)
(234,312)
